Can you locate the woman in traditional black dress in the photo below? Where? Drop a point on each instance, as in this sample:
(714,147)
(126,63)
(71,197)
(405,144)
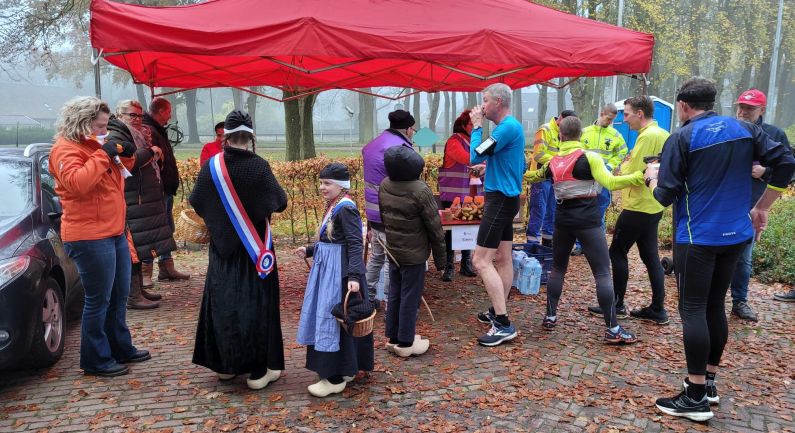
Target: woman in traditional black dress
(338,267)
(239,329)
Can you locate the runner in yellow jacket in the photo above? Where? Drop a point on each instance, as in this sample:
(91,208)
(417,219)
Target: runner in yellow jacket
(641,214)
(540,222)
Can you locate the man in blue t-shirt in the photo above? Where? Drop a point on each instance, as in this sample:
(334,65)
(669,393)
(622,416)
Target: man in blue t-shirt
(503,152)
(704,173)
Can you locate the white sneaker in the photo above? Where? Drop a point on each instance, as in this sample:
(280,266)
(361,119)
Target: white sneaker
(349,378)
(223,376)
(325,388)
(419,347)
(262,382)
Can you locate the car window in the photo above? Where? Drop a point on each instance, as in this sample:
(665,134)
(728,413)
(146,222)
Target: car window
(48,196)
(16,193)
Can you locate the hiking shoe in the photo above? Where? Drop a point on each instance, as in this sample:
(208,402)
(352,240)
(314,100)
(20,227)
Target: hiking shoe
(621,312)
(648,313)
(486,317)
(497,335)
(712,392)
(785,297)
(744,311)
(686,407)
(549,324)
(620,336)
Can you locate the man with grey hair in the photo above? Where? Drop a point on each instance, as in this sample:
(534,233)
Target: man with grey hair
(504,153)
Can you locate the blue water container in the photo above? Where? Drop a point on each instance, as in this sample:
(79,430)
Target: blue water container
(530,276)
(517,257)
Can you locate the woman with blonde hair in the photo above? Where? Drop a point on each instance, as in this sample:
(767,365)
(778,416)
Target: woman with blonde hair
(90,184)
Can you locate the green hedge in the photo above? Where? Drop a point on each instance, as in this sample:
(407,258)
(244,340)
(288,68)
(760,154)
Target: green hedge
(774,254)
(26,136)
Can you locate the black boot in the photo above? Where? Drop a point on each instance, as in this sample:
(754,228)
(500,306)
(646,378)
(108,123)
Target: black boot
(448,268)
(466,264)
(448,273)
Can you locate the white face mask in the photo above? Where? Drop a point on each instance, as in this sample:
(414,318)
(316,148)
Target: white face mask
(101,139)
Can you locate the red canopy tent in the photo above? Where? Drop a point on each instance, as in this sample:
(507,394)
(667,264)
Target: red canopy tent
(314,45)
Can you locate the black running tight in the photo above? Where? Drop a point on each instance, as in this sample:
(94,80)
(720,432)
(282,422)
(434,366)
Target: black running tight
(703,274)
(594,246)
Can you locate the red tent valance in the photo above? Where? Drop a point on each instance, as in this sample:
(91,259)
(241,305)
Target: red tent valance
(313,45)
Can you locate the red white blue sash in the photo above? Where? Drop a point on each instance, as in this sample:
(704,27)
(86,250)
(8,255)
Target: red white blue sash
(345,201)
(260,252)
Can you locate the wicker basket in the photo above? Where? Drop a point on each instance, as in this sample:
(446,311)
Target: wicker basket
(190,227)
(360,328)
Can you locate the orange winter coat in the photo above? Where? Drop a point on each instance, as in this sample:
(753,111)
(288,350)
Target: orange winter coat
(91,189)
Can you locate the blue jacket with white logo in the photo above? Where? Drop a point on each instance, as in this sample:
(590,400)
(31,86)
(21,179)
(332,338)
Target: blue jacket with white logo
(705,170)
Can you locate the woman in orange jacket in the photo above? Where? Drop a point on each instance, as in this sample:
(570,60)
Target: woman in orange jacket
(90,183)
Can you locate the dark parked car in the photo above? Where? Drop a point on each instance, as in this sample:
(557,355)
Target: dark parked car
(39,284)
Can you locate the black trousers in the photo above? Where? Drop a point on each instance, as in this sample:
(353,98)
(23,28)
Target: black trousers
(406,284)
(703,274)
(641,229)
(594,246)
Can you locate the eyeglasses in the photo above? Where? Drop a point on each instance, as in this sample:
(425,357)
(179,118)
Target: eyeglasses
(133,115)
(413,128)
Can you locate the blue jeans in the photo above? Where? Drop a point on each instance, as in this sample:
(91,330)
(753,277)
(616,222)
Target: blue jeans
(742,274)
(541,221)
(105,267)
(604,201)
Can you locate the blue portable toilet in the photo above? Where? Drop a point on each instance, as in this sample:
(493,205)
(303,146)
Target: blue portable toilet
(663,114)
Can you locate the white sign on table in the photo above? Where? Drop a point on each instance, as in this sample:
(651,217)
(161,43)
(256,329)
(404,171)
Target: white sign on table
(464,237)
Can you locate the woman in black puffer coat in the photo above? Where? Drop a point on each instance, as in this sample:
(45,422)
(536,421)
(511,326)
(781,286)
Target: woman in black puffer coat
(147,221)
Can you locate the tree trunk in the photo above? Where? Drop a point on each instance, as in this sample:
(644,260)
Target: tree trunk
(366,117)
(237,99)
(433,104)
(561,93)
(292,127)
(307,105)
(454,107)
(415,111)
(251,106)
(472,99)
(190,109)
(542,104)
(139,90)
(518,111)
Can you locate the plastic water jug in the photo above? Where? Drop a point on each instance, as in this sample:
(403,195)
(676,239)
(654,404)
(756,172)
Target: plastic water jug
(517,257)
(529,276)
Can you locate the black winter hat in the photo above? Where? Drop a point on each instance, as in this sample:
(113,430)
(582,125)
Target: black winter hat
(335,171)
(401,119)
(238,120)
(402,163)
(566,113)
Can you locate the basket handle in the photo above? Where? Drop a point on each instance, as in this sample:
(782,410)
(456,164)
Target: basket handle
(345,302)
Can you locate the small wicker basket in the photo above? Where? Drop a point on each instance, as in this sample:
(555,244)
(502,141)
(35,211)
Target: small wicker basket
(190,227)
(360,328)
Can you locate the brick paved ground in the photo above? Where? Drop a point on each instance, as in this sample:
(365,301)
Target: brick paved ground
(565,380)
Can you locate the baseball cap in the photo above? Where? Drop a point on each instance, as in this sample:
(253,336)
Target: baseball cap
(752,97)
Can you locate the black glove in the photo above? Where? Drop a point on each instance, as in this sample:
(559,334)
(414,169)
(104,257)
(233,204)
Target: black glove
(111,148)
